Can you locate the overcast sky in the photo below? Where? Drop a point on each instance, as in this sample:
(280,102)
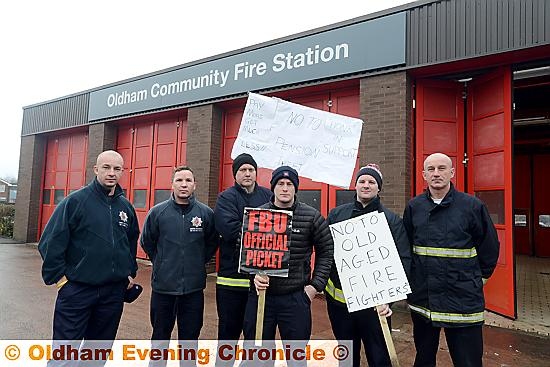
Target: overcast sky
(55,48)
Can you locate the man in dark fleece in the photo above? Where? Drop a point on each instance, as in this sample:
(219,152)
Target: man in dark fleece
(89,252)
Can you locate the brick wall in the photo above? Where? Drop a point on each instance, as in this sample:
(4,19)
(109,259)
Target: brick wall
(27,205)
(101,137)
(386,139)
(204,136)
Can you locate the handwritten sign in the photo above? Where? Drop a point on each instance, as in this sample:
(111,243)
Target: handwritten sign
(368,263)
(316,143)
(265,242)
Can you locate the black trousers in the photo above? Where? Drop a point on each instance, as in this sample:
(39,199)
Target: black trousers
(360,326)
(87,316)
(88,312)
(231,305)
(291,313)
(188,309)
(465,343)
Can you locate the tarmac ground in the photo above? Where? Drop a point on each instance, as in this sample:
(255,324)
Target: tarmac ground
(26,310)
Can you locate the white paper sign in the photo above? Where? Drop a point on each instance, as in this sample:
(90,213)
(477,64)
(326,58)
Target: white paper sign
(320,145)
(368,263)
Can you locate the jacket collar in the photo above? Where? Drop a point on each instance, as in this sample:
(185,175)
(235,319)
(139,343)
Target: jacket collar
(100,191)
(447,200)
(243,191)
(273,206)
(373,205)
(191,201)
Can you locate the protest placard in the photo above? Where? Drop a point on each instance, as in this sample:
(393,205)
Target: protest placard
(368,263)
(314,142)
(265,242)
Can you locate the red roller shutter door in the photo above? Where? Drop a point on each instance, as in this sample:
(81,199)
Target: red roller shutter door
(64,171)
(150,150)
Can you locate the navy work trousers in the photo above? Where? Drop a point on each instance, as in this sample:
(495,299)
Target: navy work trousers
(188,310)
(231,305)
(87,316)
(465,343)
(85,311)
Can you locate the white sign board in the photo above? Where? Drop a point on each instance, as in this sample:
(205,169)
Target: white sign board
(368,263)
(320,145)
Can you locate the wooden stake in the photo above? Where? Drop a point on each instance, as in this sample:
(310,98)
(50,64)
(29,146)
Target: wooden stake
(260,317)
(388,339)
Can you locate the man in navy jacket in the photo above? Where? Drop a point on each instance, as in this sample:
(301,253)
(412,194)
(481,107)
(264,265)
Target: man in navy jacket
(179,237)
(454,251)
(89,251)
(232,287)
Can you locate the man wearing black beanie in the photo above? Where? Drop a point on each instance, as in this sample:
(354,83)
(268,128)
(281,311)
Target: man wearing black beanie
(232,287)
(288,300)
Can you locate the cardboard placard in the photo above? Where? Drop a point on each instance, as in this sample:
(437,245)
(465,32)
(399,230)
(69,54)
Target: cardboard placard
(315,143)
(368,263)
(265,242)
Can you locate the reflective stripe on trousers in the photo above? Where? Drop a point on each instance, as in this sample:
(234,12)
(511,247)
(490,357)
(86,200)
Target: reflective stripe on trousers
(462,318)
(233,282)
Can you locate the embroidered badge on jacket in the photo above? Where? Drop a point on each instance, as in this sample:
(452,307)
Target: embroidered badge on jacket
(123,219)
(123,216)
(197,224)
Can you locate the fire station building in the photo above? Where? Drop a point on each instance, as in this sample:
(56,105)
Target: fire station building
(469,78)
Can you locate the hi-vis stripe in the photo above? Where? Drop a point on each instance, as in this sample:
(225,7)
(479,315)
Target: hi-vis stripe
(233,282)
(334,292)
(463,318)
(445,252)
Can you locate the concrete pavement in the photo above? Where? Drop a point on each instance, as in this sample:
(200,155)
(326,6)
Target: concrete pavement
(26,309)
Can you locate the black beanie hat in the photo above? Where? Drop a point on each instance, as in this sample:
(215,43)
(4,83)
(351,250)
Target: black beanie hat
(243,158)
(285,172)
(373,170)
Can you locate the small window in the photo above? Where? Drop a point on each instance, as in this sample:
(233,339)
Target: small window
(58,196)
(495,204)
(311,197)
(140,199)
(2,188)
(162,195)
(344,196)
(46,200)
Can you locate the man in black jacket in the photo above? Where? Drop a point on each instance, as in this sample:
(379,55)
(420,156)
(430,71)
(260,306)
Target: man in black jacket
(232,287)
(364,326)
(288,300)
(179,237)
(455,250)
(89,251)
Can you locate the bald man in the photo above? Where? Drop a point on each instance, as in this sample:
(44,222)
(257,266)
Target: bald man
(89,253)
(454,251)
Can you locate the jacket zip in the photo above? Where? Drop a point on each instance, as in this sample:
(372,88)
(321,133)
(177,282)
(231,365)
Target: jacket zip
(112,238)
